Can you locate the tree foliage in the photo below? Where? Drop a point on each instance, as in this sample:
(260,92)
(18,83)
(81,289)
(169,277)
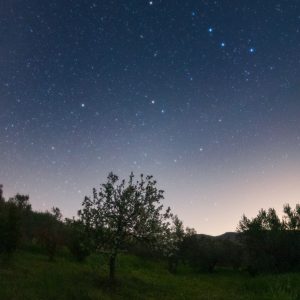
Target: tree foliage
(78,240)
(11,213)
(175,236)
(21,202)
(271,244)
(1,194)
(291,220)
(51,233)
(123,212)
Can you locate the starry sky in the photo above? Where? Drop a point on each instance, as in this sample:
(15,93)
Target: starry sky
(204,95)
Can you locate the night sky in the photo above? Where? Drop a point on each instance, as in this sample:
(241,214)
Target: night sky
(204,95)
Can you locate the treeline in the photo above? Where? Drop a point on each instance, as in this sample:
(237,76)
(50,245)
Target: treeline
(271,244)
(21,227)
(127,216)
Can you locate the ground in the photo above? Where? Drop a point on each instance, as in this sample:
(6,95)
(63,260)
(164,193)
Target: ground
(31,276)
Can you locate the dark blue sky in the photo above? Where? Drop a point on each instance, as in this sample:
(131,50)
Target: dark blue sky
(204,95)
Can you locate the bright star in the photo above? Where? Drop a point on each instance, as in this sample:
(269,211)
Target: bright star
(150,2)
(251,50)
(82,105)
(152,101)
(162,111)
(210,29)
(222,44)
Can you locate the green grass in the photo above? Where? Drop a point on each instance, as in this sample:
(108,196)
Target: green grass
(31,276)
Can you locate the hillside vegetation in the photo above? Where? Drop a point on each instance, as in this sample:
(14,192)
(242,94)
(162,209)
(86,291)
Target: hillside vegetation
(126,245)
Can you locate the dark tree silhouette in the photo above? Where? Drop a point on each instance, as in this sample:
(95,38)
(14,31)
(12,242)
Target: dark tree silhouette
(21,201)
(78,240)
(174,241)
(51,234)
(271,244)
(1,193)
(121,212)
(292,217)
(10,222)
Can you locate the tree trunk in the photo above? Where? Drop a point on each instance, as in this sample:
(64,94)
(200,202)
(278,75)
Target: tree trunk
(112,268)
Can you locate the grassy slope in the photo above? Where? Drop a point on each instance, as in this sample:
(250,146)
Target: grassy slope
(32,277)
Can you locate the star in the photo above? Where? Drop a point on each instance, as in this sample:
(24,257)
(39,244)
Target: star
(171,80)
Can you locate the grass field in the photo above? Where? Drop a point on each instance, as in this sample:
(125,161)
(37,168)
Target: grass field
(31,276)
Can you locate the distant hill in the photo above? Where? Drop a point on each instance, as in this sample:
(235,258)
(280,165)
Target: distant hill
(231,236)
